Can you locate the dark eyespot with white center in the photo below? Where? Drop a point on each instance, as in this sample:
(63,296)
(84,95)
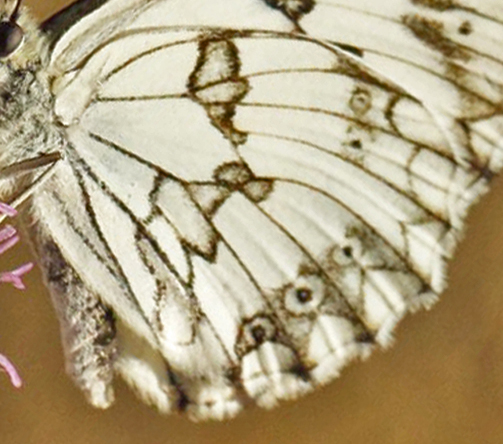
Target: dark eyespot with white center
(259,330)
(342,256)
(305,295)
(253,333)
(11,37)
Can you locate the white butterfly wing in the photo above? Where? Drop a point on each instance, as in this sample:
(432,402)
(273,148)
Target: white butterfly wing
(447,54)
(258,207)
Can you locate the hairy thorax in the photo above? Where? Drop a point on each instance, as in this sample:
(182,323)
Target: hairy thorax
(28,127)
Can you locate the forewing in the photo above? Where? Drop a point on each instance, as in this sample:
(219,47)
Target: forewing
(260,206)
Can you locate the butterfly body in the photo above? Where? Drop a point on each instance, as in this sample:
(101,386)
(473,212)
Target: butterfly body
(246,200)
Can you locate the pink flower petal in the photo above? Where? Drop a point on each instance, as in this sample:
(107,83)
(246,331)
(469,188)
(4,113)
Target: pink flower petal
(7,232)
(11,371)
(9,243)
(7,210)
(14,276)
(8,238)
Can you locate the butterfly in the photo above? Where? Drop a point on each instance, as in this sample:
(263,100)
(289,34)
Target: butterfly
(232,200)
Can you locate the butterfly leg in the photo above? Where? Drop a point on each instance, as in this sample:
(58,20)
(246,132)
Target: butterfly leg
(87,326)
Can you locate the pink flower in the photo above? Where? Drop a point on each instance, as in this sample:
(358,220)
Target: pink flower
(8,238)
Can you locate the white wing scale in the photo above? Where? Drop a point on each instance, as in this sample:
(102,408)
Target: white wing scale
(280,204)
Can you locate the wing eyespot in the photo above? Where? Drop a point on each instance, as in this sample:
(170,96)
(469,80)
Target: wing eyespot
(304,295)
(255,332)
(465,28)
(356,144)
(259,334)
(348,252)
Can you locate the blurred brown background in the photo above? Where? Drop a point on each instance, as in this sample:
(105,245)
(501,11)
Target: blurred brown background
(442,382)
